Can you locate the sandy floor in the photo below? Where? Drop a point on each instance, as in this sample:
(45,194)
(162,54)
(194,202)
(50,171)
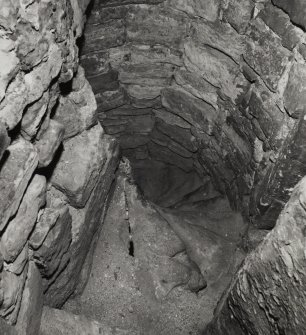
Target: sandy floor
(120,290)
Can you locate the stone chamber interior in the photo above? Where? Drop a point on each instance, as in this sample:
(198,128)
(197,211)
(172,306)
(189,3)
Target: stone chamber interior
(152,167)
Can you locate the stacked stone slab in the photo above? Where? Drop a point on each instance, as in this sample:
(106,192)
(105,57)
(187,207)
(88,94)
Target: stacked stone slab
(267,295)
(225,75)
(57,164)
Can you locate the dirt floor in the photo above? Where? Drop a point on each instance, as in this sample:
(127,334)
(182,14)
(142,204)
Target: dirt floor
(141,269)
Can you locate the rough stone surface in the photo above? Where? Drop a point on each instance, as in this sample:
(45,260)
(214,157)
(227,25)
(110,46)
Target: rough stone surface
(86,222)
(208,10)
(239,13)
(78,168)
(294,97)
(16,234)
(230,61)
(268,286)
(39,70)
(19,263)
(296,10)
(49,142)
(11,293)
(265,54)
(16,171)
(33,116)
(201,87)
(29,316)
(77,111)
(6,329)
(4,140)
(49,255)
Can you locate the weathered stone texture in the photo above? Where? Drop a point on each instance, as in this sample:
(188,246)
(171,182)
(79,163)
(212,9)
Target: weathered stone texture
(79,165)
(265,54)
(16,234)
(49,142)
(15,174)
(296,10)
(29,317)
(42,90)
(4,140)
(85,224)
(266,296)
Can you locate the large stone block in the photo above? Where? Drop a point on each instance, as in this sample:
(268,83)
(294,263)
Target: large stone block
(100,13)
(208,10)
(273,123)
(295,92)
(49,142)
(18,230)
(280,23)
(14,102)
(170,118)
(265,54)
(19,263)
(238,14)
(146,74)
(9,67)
(110,100)
(78,169)
(215,67)
(142,124)
(16,171)
(77,111)
(193,110)
(46,221)
(144,54)
(49,255)
(156,25)
(8,15)
(165,141)
(29,316)
(105,81)
(86,222)
(289,168)
(268,285)
(296,10)
(196,85)
(33,117)
(179,135)
(11,289)
(219,36)
(104,36)
(39,79)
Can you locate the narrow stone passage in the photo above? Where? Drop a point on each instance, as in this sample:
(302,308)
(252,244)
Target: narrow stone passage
(182,261)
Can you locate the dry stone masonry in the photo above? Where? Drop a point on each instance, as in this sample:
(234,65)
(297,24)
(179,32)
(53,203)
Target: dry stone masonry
(57,163)
(215,86)
(199,95)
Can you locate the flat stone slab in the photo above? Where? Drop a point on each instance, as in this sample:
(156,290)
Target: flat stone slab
(78,168)
(19,229)
(15,174)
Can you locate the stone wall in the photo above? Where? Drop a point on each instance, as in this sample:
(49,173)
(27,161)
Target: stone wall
(215,86)
(57,164)
(267,295)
